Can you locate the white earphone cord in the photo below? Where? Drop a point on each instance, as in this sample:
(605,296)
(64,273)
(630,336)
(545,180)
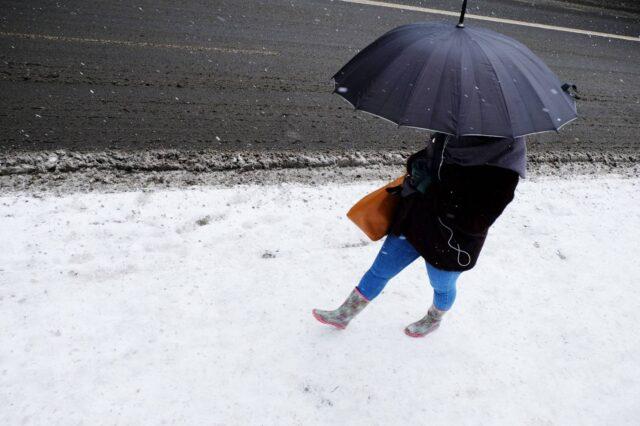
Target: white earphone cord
(457,249)
(444,145)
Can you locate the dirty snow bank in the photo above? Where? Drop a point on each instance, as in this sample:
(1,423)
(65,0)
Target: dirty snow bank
(193,307)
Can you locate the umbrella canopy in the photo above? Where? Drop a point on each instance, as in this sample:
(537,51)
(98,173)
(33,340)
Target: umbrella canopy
(457,80)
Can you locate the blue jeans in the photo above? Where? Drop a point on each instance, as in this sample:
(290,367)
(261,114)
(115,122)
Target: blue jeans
(395,255)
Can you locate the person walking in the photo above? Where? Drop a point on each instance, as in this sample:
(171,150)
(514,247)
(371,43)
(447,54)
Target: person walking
(453,192)
(482,93)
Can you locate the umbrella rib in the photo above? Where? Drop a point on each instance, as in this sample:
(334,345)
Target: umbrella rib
(461,84)
(388,37)
(523,50)
(439,93)
(533,59)
(527,80)
(373,80)
(504,100)
(524,101)
(416,81)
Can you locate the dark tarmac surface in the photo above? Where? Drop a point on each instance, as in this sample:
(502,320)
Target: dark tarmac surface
(255,75)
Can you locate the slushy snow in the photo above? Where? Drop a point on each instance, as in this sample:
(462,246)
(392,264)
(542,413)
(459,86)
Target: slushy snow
(194,307)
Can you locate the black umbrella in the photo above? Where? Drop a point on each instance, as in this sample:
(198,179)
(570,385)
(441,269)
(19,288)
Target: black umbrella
(456,80)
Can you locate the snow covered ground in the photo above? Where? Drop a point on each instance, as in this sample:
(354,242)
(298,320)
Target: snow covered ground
(193,307)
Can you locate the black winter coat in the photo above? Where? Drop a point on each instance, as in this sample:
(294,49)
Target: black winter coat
(448,224)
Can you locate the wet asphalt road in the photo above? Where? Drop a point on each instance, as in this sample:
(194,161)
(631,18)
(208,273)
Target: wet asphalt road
(237,75)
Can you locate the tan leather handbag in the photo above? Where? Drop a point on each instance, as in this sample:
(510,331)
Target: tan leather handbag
(373,213)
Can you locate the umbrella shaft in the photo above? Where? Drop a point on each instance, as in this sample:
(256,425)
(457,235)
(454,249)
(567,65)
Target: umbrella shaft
(464,10)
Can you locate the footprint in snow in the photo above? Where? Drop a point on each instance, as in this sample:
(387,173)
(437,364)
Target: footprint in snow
(269,254)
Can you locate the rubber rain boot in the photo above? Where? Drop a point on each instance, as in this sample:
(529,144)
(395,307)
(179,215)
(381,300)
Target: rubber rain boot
(340,318)
(426,325)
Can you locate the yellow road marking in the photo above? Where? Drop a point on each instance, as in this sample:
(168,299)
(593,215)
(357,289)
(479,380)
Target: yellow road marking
(491,19)
(139,44)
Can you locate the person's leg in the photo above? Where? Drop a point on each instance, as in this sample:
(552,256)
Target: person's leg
(444,286)
(444,294)
(395,255)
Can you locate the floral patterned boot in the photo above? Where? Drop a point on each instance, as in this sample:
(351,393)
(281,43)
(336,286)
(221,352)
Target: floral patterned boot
(426,325)
(340,318)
